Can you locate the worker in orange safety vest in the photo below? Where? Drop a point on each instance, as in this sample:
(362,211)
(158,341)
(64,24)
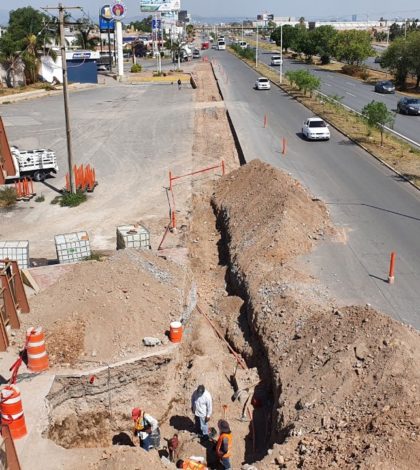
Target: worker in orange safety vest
(189,464)
(224,444)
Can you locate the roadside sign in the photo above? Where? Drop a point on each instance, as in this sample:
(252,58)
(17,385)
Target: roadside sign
(156,24)
(118,11)
(106,23)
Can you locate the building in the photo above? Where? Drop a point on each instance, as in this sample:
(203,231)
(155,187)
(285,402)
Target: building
(184,17)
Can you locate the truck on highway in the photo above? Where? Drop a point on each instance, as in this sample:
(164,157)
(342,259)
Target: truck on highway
(37,164)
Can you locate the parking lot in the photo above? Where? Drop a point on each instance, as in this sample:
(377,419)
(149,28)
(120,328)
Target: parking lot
(127,134)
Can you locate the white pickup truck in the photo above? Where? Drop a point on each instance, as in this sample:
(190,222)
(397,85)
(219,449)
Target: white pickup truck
(35,163)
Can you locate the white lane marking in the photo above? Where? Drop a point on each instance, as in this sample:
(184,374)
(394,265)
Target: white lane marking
(327,84)
(351,94)
(349,83)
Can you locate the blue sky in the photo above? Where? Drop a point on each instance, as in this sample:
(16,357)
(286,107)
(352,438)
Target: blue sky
(249,8)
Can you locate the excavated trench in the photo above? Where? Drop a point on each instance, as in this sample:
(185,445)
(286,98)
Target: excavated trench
(268,392)
(95,410)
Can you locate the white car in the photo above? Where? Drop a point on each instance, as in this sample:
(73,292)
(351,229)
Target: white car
(243,44)
(262,83)
(276,60)
(221,46)
(316,128)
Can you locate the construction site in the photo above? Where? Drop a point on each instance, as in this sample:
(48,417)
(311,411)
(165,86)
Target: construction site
(219,253)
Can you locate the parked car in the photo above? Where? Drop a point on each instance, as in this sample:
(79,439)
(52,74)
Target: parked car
(262,83)
(409,106)
(385,86)
(276,60)
(196,54)
(315,128)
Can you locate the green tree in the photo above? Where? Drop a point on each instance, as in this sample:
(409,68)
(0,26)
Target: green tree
(304,80)
(377,116)
(190,30)
(397,58)
(289,34)
(83,37)
(27,34)
(324,38)
(352,46)
(145,25)
(413,53)
(303,42)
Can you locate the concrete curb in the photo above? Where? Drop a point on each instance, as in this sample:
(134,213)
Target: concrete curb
(379,159)
(28,95)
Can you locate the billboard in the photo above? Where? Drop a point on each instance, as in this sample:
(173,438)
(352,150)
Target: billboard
(154,6)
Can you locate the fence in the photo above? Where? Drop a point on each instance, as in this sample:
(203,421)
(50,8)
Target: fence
(12,300)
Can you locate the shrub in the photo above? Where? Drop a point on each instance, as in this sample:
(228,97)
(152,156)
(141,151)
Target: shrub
(72,199)
(7,197)
(40,198)
(135,68)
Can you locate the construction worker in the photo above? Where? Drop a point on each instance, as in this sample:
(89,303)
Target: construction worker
(190,465)
(224,444)
(146,428)
(202,408)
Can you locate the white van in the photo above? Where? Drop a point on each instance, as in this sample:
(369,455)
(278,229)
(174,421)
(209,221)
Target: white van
(221,46)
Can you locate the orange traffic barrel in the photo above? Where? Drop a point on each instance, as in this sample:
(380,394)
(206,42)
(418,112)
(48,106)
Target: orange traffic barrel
(37,354)
(12,411)
(175,332)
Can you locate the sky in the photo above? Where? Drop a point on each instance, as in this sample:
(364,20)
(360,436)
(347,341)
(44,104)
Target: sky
(321,9)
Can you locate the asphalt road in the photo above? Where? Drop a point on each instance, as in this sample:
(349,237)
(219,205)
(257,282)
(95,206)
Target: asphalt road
(354,93)
(375,211)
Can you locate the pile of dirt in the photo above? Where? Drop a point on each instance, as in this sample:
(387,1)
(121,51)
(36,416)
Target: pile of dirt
(101,311)
(345,381)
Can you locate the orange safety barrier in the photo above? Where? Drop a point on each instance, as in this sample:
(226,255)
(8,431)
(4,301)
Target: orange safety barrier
(12,411)
(84,178)
(24,188)
(37,354)
(391,276)
(173,178)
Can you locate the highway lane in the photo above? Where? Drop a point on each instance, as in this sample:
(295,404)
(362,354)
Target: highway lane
(354,93)
(375,212)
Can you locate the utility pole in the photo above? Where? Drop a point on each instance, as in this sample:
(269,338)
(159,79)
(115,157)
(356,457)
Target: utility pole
(256,51)
(61,11)
(281,53)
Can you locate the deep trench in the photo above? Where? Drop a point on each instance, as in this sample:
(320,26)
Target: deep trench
(267,393)
(93,410)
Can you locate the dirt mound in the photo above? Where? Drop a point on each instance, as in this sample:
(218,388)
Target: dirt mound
(345,382)
(101,311)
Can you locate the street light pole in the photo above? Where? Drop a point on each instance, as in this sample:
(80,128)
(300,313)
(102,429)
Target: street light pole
(256,51)
(281,53)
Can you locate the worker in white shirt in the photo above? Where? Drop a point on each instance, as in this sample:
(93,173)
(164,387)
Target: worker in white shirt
(146,428)
(202,408)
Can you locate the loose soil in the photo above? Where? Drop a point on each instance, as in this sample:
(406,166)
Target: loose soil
(101,311)
(345,381)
